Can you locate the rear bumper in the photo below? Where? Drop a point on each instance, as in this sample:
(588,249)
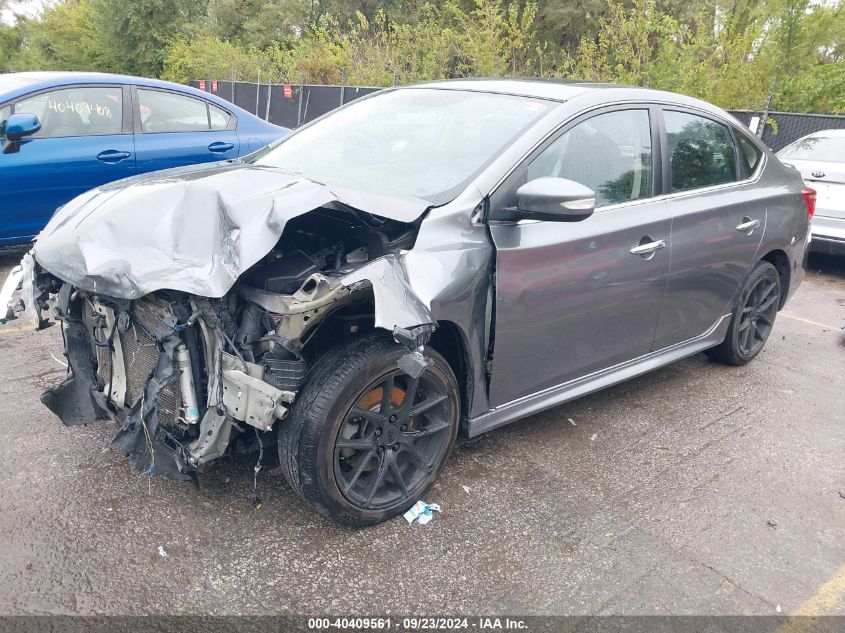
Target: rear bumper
(827,246)
(828,235)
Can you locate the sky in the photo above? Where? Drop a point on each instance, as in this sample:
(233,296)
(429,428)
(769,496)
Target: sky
(29,8)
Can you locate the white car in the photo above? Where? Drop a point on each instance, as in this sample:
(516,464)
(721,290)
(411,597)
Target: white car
(820,157)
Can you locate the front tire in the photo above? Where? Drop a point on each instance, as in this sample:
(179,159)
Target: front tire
(365,441)
(753,319)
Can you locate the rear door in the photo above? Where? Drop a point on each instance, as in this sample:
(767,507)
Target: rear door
(571,297)
(718,224)
(173,129)
(85,141)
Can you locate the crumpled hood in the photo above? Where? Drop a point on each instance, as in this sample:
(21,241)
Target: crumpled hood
(194,229)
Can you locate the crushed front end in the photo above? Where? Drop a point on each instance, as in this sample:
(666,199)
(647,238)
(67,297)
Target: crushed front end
(188,378)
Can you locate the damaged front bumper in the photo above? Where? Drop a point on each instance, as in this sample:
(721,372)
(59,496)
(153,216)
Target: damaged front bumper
(181,376)
(18,293)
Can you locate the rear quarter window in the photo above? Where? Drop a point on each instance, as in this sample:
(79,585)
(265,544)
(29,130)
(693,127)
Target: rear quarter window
(218,117)
(751,154)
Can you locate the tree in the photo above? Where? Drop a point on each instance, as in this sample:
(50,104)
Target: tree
(136,35)
(64,38)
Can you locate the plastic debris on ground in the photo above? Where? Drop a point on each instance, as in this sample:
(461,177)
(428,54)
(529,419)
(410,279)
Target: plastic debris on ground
(466,488)
(421,512)
(161,552)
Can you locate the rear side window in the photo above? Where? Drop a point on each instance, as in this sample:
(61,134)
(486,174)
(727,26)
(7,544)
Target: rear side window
(170,112)
(5,111)
(751,154)
(701,151)
(83,111)
(609,153)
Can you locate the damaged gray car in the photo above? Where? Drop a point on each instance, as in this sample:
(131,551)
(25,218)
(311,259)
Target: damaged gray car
(427,261)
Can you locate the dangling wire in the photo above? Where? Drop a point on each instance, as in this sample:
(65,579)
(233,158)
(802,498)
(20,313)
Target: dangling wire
(256,500)
(151,468)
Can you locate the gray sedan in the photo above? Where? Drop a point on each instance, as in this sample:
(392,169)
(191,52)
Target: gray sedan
(430,260)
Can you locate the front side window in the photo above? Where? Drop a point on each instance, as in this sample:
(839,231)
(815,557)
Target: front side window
(420,142)
(5,111)
(609,153)
(170,112)
(701,151)
(83,111)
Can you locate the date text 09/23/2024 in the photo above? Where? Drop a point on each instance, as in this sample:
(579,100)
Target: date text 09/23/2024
(418,623)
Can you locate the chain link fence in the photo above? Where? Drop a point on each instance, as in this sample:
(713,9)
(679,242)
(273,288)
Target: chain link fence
(292,105)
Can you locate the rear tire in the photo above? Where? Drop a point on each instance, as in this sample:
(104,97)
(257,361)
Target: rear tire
(753,318)
(357,456)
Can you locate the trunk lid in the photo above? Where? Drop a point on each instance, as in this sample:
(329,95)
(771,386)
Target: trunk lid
(828,179)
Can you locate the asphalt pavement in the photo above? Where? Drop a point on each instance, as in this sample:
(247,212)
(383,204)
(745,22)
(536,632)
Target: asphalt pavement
(696,489)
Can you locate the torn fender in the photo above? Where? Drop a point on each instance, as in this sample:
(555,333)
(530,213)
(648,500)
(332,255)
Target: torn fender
(194,229)
(395,301)
(396,304)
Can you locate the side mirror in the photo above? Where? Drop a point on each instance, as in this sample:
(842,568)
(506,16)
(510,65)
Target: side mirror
(16,127)
(554,199)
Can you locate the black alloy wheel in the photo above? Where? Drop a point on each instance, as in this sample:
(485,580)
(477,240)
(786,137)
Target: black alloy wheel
(365,440)
(390,440)
(758,316)
(753,318)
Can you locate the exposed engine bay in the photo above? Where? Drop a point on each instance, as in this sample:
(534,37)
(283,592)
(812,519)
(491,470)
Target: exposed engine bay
(189,378)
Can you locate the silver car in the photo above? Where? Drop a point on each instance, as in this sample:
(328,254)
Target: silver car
(820,157)
(430,260)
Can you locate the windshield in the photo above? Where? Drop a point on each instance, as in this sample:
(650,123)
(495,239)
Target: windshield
(426,143)
(822,148)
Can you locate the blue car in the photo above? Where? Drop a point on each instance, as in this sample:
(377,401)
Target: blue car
(64,133)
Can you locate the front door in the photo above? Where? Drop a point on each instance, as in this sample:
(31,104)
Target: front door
(173,129)
(572,298)
(719,220)
(83,143)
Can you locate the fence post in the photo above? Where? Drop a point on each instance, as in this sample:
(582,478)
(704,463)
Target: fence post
(257,91)
(342,85)
(233,84)
(299,107)
(269,94)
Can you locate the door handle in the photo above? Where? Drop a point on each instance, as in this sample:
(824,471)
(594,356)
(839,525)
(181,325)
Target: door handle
(218,147)
(648,248)
(748,225)
(112,156)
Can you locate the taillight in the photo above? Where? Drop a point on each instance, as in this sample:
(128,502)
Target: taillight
(809,196)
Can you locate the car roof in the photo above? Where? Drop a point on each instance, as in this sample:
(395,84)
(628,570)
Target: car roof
(14,85)
(563,90)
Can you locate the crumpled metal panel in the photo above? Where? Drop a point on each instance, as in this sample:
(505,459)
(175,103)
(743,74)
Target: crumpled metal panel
(194,229)
(396,303)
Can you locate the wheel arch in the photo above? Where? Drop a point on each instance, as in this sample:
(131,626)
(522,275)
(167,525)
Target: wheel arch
(449,341)
(780,260)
